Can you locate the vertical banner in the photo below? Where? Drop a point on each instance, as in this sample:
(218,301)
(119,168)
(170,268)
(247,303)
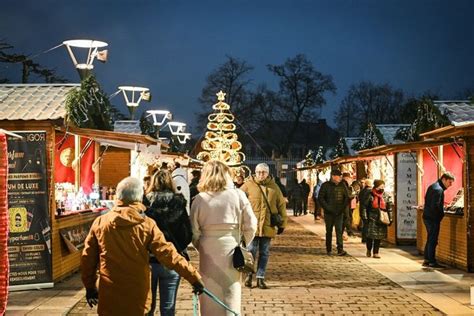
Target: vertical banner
(3,225)
(29,242)
(407,199)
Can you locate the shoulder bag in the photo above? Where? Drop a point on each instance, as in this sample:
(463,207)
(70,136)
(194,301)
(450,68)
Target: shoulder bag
(383,217)
(242,259)
(275,218)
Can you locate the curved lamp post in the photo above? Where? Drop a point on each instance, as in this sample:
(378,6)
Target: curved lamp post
(84,68)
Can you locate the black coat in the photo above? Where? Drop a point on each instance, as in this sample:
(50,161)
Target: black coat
(333,198)
(434,202)
(168,209)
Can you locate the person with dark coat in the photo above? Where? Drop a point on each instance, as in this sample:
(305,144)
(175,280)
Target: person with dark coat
(193,190)
(282,187)
(296,198)
(376,230)
(364,196)
(168,209)
(347,220)
(305,190)
(333,198)
(317,206)
(433,213)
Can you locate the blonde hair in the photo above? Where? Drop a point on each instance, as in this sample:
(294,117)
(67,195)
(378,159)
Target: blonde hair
(214,176)
(161,181)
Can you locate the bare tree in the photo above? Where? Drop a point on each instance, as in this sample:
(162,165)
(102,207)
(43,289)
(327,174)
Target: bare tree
(27,66)
(301,93)
(367,102)
(230,77)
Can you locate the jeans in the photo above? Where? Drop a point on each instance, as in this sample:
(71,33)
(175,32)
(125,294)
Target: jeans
(331,221)
(375,243)
(432,229)
(262,244)
(169,284)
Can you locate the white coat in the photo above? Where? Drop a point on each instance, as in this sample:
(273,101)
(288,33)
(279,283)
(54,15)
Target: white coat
(215,220)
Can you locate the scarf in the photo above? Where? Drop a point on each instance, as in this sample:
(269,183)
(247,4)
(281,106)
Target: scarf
(378,201)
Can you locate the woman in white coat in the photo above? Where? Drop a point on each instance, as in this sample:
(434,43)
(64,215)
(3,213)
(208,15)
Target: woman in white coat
(219,215)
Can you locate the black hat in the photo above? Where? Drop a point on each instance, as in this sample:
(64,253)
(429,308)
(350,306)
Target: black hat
(336,172)
(378,183)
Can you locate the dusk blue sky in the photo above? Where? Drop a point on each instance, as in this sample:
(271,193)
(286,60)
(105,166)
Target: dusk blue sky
(171,46)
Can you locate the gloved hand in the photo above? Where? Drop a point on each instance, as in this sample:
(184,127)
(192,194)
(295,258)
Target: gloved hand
(198,287)
(280,230)
(92,297)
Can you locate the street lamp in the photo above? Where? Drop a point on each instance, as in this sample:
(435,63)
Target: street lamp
(159,117)
(130,94)
(84,68)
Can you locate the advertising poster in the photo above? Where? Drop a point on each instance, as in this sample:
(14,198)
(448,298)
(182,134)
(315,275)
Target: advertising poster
(29,241)
(406,196)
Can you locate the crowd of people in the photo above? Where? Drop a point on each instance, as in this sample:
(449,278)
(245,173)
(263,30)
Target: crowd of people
(141,246)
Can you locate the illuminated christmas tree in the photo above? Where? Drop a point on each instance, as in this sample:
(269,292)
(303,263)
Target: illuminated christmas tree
(220,141)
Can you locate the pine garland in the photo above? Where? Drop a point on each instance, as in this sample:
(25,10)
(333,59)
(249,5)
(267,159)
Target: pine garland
(372,138)
(341,149)
(88,106)
(428,118)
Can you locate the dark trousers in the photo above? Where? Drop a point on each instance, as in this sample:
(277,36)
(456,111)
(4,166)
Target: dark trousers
(333,221)
(305,205)
(297,205)
(317,208)
(375,243)
(348,221)
(432,229)
(365,228)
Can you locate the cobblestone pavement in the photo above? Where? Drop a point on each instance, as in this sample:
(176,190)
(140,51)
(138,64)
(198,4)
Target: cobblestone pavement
(305,281)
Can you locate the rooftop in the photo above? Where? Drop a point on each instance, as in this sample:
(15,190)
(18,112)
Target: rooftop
(458,112)
(33,101)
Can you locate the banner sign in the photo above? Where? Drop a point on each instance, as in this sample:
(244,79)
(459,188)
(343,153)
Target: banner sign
(74,236)
(407,199)
(29,242)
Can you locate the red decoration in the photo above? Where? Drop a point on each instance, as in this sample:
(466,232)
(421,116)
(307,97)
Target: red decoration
(4,268)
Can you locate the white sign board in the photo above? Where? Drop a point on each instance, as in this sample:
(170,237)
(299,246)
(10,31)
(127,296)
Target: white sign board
(406,196)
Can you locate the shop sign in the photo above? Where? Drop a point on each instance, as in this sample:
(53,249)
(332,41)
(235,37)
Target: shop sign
(29,240)
(406,196)
(74,236)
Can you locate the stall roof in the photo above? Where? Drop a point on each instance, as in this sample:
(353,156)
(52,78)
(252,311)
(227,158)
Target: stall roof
(411,146)
(33,101)
(466,129)
(116,139)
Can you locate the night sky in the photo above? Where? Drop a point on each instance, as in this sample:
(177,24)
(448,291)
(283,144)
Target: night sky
(171,46)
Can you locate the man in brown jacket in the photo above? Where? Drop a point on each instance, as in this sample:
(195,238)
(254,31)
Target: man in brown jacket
(119,243)
(266,198)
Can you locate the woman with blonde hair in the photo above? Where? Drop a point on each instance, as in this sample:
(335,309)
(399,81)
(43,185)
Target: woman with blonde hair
(168,209)
(220,216)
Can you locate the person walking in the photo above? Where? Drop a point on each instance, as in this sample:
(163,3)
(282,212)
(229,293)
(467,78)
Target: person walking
(282,188)
(334,199)
(347,220)
(305,193)
(118,244)
(168,210)
(220,215)
(296,198)
(193,190)
(317,206)
(377,230)
(364,196)
(266,199)
(181,183)
(433,213)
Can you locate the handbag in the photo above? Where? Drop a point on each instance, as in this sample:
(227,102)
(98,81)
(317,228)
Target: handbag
(242,259)
(275,218)
(383,217)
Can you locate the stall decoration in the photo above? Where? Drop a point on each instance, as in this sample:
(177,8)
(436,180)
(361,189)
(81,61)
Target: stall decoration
(3,225)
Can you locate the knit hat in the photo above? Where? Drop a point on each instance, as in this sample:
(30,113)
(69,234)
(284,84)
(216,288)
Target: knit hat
(378,183)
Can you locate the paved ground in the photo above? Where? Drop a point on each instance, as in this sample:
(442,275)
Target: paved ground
(305,281)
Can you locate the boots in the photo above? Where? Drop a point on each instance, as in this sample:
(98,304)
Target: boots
(248,280)
(261,284)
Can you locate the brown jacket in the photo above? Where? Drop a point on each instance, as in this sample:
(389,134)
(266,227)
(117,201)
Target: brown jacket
(262,213)
(119,243)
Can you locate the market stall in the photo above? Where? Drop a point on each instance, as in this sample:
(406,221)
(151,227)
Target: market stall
(53,183)
(455,154)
